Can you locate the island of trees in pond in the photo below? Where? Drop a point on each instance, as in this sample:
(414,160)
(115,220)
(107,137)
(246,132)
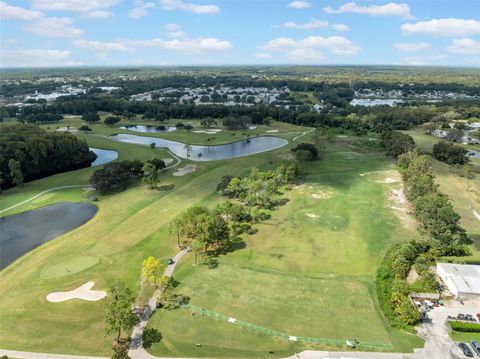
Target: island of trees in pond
(28,152)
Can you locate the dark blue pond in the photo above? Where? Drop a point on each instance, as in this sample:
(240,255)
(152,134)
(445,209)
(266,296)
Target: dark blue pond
(149,128)
(209,153)
(20,233)
(103,156)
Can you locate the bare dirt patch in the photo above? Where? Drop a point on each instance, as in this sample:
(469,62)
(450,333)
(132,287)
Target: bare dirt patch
(167,161)
(185,170)
(402,207)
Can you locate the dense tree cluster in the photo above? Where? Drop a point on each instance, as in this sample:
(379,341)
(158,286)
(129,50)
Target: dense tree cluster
(28,152)
(432,208)
(396,143)
(449,153)
(116,175)
(261,189)
(306,152)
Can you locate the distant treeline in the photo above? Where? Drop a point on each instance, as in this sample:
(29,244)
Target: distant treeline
(28,152)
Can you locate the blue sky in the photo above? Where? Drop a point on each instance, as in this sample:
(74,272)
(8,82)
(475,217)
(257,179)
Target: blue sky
(57,33)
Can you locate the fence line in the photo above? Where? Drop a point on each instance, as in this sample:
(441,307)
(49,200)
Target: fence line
(275,333)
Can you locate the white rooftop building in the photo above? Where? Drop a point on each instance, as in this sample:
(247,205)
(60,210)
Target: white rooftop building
(462,280)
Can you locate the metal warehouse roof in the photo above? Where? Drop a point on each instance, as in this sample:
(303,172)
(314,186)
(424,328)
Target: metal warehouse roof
(466,278)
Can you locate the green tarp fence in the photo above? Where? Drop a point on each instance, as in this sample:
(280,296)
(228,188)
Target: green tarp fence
(274,333)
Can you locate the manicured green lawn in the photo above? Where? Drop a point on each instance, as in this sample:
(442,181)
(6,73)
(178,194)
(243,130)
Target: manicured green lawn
(128,227)
(307,272)
(464,337)
(463,192)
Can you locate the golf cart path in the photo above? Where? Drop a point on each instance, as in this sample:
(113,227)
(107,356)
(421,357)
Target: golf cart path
(303,134)
(73,186)
(136,349)
(42,193)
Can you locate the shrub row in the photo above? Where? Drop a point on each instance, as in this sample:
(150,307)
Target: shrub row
(465,327)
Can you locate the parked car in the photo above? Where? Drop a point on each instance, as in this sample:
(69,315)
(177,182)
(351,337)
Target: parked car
(461,316)
(475,346)
(466,350)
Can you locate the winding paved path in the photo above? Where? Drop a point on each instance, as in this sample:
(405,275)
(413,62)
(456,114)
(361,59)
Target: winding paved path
(136,349)
(303,134)
(42,193)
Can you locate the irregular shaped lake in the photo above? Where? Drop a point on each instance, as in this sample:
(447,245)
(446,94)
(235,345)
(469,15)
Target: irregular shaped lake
(103,156)
(149,128)
(473,153)
(20,233)
(209,153)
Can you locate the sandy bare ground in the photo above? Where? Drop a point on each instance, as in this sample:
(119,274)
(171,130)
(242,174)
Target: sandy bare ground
(271,131)
(399,202)
(167,161)
(83,292)
(412,276)
(67,129)
(312,215)
(476,214)
(185,170)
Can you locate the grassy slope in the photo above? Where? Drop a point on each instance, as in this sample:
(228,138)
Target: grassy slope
(305,276)
(464,193)
(132,224)
(128,227)
(464,337)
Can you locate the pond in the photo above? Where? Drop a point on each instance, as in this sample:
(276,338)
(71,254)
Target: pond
(25,231)
(103,156)
(473,153)
(149,128)
(209,153)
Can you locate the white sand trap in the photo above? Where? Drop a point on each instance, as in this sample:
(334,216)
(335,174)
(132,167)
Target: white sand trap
(167,161)
(476,214)
(66,129)
(199,131)
(185,170)
(271,131)
(312,215)
(83,292)
(211,132)
(215,130)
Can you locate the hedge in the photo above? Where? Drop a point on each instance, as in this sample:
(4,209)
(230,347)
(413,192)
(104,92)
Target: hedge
(465,327)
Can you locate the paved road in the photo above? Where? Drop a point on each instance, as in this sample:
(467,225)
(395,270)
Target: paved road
(29,355)
(136,349)
(315,354)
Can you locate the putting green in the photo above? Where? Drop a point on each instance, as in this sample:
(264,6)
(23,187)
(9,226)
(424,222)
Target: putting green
(73,265)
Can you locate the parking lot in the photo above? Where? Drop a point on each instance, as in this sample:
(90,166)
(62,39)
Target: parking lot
(437,341)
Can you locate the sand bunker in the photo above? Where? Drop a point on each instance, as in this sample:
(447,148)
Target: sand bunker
(167,161)
(67,129)
(83,292)
(185,170)
(271,131)
(476,214)
(312,215)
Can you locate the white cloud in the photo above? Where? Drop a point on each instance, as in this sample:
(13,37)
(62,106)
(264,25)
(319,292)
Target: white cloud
(409,47)
(415,61)
(137,13)
(390,9)
(102,46)
(53,27)
(187,6)
(187,45)
(140,10)
(262,55)
(340,27)
(337,45)
(312,24)
(98,15)
(305,54)
(443,27)
(174,30)
(299,4)
(73,5)
(37,58)
(17,13)
(465,46)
